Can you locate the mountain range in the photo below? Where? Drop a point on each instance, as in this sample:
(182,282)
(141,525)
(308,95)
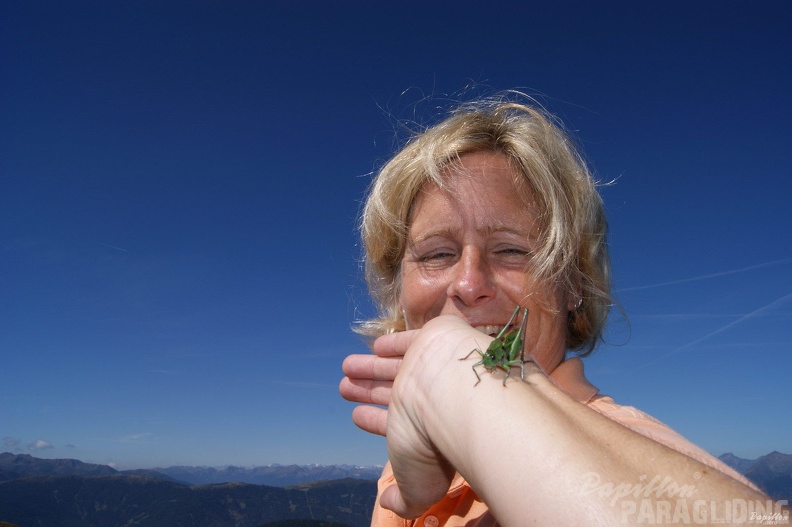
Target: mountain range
(13,466)
(275,475)
(70,493)
(772,472)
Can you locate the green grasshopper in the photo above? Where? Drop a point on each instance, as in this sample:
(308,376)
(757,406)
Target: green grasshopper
(504,350)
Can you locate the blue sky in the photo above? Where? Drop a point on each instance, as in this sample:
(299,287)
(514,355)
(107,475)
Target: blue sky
(180,182)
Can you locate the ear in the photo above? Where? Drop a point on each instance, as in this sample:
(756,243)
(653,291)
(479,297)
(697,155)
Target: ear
(403,316)
(574,296)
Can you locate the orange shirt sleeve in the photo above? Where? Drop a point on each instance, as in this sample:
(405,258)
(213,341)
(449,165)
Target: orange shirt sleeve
(648,426)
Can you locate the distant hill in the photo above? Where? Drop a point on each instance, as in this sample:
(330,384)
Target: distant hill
(20,465)
(737,463)
(151,473)
(772,473)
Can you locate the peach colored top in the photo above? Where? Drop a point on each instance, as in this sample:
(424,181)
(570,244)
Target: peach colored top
(462,508)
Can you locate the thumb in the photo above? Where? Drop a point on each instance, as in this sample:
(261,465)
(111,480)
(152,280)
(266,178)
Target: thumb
(419,491)
(393,500)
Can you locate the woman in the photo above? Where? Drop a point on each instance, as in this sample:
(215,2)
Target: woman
(488,210)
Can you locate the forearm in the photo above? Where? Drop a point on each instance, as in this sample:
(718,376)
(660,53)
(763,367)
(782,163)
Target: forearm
(530,451)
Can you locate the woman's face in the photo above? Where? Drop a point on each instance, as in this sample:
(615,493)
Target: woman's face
(467,254)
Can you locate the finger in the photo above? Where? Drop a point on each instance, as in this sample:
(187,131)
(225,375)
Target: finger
(371,419)
(394,344)
(366,391)
(370,367)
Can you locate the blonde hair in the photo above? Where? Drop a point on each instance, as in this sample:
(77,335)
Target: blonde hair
(573,251)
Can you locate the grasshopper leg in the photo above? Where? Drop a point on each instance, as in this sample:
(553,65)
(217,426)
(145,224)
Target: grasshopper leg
(522,344)
(478,379)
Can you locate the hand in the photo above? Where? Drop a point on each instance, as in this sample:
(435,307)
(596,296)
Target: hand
(421,358)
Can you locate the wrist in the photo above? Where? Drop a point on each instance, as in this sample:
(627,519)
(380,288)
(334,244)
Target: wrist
(466,413)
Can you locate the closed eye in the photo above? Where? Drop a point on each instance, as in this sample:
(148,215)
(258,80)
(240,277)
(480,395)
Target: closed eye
(436,256)
(513,252)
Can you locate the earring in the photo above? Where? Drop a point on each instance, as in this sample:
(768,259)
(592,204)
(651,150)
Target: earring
(579,303)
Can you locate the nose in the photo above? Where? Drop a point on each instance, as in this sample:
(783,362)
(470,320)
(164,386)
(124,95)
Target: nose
(471,282)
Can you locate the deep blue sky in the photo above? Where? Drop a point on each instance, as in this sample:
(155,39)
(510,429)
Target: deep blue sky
(180,182)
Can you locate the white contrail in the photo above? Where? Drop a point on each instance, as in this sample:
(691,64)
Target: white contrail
(704,277)
(752,314)
(114,247)
(756,312)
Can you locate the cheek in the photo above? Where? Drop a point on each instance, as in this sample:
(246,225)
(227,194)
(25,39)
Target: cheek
(419,298)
